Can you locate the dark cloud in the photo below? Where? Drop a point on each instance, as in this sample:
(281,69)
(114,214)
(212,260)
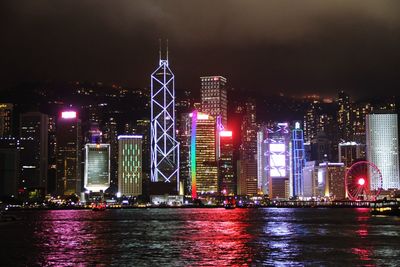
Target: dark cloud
(288,46)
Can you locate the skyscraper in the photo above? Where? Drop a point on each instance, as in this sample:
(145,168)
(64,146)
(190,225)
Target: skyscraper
(226,176)
(278,161)
(247,165)
(110,137)
(203,162)
(164,145)
(130,165)
(6,111)
(69,139)
(97,167)
(344,117)
(383,148)
(299,160)
(34,153)
(214,99)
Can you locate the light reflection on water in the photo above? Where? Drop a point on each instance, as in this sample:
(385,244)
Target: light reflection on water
(201,237)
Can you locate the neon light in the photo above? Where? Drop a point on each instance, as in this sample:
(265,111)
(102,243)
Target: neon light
(193,154)
(164,145)
(225,133)
(215,78)
(130,137)
(361,181)
(68,114)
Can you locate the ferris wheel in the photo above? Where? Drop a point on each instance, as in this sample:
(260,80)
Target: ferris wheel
(363,181)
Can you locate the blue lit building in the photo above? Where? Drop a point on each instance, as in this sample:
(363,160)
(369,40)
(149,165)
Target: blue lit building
(298,158)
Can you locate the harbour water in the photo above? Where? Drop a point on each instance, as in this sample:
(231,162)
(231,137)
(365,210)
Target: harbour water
(201,237)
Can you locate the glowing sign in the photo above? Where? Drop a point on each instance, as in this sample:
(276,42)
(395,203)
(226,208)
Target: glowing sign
(277,147)
(130,137)
(68,114)
(225,133)
(200,116)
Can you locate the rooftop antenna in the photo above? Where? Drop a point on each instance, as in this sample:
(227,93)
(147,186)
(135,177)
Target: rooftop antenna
(159,47)
(167,49)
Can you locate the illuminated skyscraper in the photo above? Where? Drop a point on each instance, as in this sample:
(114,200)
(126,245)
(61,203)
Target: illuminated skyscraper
(203,164)
(278,163)
(299,160)
(130,165)
(97,167)
(344,117)
(110,137)
(34,152)
(214,99)
(247,165)
(6,111)
(69,139)
(226,176)
(164,146)
(383,148)
(331,181)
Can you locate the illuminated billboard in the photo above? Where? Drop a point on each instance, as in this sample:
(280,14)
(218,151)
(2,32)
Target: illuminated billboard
(277,160)
(68,114)
(97,167)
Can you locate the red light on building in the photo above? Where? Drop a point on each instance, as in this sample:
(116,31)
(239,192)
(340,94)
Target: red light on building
(215,78)
(68,114)
(361,181)
(225,133)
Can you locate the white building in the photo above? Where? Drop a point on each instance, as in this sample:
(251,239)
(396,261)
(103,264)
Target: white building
(97,167)
(382,148)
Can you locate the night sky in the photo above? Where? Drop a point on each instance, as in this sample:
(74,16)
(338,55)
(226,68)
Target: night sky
(292,47)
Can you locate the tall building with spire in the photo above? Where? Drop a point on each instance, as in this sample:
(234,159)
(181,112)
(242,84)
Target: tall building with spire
(214,99)
(164,145)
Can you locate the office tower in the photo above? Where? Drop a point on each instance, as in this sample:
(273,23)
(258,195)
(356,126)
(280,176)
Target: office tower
(299,160)
(69,151)
(203,164)
(184,149)
(310,181)
(110,137)
(34,153)
(97,167)
(331,180)
(9,166)
(214,99)
(321,148)
(344,117)
(130,165)
(247,183)
(6,119)
(143,128)
(383,148)
(262,185)
(358,114)
(52,145)
(351,152)
(164,145)
(311,122)
(278,160)
(248,148)
(247,165)
(226,176)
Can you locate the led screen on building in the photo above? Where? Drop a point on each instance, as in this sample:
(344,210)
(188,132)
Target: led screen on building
(277,160)
(97,167)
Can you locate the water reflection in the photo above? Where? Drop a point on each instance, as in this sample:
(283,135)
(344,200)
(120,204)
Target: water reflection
(217,237)
(71,238)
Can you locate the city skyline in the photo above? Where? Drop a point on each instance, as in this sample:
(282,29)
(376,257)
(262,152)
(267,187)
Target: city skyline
(291,48)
